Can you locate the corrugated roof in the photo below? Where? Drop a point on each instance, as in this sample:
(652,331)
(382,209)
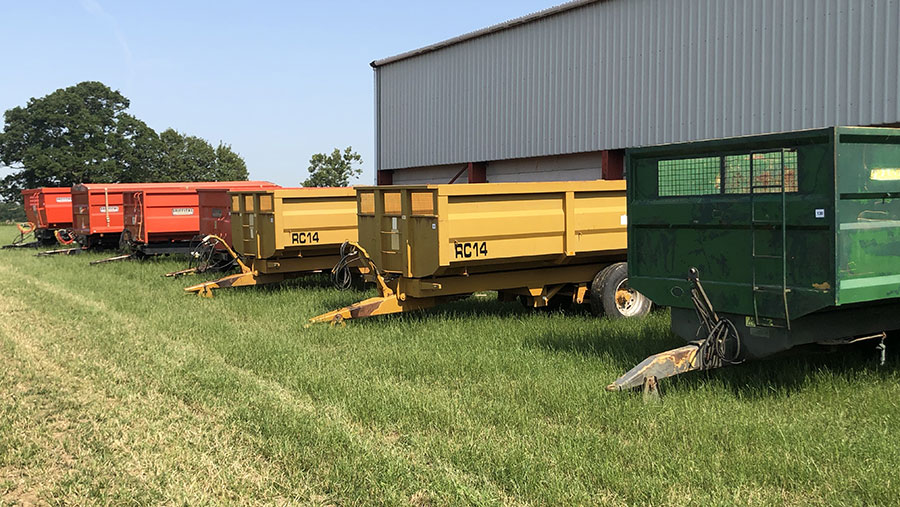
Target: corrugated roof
(506,25)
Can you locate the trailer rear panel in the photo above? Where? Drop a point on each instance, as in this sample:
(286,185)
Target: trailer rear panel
(48,207)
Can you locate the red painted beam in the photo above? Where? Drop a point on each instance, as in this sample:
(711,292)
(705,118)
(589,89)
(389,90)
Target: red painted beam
(612,164)
(385,177)
(477,172)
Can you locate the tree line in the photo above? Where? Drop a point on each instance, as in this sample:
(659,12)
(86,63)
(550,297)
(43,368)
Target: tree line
(84,134)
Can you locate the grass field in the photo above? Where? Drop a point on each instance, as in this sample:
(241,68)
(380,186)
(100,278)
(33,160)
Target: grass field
(118,388)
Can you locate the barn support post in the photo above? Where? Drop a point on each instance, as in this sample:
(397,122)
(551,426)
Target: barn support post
(477,172)
(385,177)
(612,164)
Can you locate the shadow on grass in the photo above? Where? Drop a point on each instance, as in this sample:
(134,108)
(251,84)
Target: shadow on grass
(627,343)
(621,341)
(471,306)
(798,368)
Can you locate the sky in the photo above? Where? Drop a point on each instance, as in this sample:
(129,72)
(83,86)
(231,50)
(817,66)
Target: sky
(277,80)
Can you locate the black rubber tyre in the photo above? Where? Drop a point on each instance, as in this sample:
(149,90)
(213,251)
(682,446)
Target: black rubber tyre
(45,237)
(611,296)
(125,242)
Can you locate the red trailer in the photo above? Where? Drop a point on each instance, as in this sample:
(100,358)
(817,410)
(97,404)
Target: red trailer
(99,208)
(48,210)
(166,220)
(215,211)
(49,207)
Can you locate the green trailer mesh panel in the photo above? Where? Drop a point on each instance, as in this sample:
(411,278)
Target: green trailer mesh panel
(689,176)
(704,175)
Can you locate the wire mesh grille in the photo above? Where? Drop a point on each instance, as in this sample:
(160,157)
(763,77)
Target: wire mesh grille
(689,176)
(705,175)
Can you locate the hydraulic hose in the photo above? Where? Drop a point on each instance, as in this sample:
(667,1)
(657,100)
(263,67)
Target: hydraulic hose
(342,275)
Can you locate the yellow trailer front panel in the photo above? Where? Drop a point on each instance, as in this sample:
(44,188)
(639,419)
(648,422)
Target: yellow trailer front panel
(293,222)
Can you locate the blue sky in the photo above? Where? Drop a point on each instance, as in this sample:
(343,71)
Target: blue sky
(278,81)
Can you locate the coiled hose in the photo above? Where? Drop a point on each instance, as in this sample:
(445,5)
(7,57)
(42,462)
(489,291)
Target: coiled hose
(714,350)
(342,275)
(64,236)
(204,257)
(25,229)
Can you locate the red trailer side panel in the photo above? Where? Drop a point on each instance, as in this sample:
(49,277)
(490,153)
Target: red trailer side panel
(166,214)
(162,215)
(98,209)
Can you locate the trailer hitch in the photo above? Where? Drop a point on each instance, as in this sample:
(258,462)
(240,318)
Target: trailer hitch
(721,346)
(246,277)
(389,300)
(113,259)
(61,251)
(203,255)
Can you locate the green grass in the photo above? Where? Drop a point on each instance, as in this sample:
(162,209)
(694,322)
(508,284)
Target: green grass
(118,388)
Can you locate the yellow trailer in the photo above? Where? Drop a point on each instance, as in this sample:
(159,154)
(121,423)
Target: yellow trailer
(535,242)
(286,232)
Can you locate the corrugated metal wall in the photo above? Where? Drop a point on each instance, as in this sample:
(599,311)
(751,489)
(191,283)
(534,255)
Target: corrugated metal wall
(624,73)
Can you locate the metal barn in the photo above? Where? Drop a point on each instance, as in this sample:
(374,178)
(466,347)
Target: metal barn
(559,94)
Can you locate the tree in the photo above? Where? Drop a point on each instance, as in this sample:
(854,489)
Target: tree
(73,135)
(333,170)
(11,212)
(83,134)
(190,158)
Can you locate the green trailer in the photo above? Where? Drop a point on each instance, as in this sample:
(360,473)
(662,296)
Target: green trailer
(762,243)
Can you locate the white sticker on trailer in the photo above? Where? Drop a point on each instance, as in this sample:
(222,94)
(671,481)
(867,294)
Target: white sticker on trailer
(623,220)
(109,209)
(820,213)
(182,211)
(63,199)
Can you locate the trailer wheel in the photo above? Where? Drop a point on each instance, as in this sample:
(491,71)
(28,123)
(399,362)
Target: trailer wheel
(125,242)
(610,294)
(45,237)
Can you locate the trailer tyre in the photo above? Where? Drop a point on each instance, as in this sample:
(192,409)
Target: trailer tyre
(125,242)
(611,296)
